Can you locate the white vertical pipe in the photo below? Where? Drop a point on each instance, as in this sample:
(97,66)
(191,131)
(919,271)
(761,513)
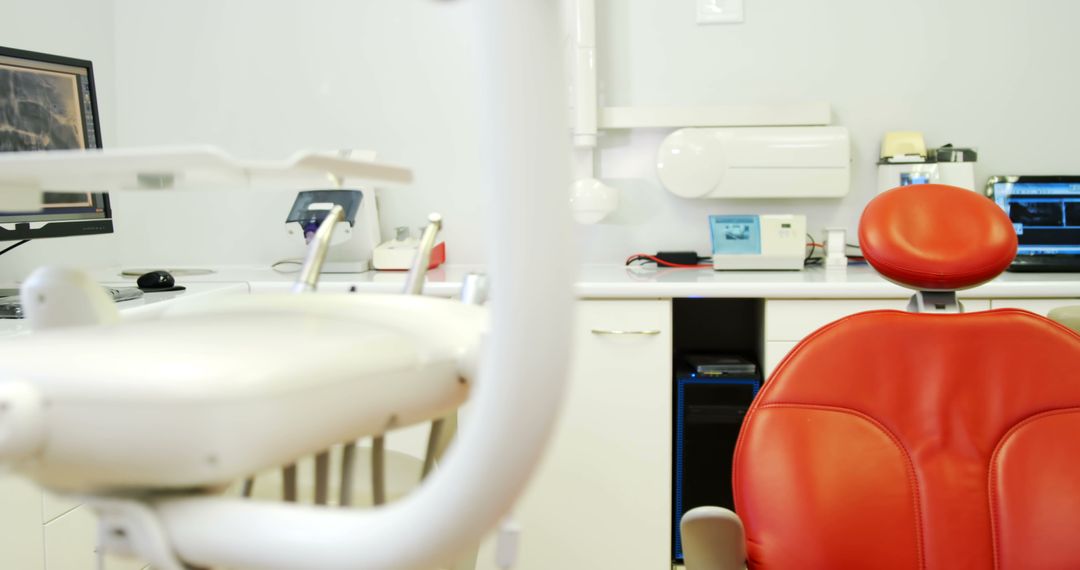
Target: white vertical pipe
(585,99)
(590,199)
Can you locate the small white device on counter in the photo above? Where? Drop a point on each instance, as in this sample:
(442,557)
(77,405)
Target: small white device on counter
(398,253)
(905,160)
(759,162)
(755,242)
(835,248)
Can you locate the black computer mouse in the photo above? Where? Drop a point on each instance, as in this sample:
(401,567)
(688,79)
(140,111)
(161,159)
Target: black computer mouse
(156,281)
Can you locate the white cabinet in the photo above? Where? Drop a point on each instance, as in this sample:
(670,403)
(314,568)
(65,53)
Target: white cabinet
(71,544)
(54,506)
(20,524)
(775,351)
(41,531)
(788,321)
(602,497)
(1038,306)
(794,319)
(70,540)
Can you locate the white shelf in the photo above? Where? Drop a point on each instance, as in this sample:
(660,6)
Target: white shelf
(184,168)
(795,114)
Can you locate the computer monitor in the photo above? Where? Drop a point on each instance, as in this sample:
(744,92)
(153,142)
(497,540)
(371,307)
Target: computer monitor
(49,102)
(1045,211)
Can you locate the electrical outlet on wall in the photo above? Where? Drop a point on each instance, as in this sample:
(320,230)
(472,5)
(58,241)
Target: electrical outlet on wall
(719,11)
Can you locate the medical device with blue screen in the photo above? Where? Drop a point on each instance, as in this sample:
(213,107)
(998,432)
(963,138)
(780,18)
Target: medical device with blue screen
(1045,211)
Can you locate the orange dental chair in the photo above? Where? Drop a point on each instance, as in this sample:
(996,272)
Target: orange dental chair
(929,439)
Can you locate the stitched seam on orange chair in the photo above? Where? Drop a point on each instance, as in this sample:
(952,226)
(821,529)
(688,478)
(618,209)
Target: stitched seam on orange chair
(769,384)
(913,481)
(921,273)
(824,328)
(992,471)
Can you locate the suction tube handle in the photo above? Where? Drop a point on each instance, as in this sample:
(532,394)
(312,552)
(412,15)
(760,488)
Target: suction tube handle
(316,253)
(414,284)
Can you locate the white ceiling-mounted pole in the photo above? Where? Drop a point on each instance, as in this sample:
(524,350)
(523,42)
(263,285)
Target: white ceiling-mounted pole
(586,104)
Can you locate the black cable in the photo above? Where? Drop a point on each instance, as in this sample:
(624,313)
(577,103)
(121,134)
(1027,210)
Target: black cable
(11,247)
(646,259)
(813,248)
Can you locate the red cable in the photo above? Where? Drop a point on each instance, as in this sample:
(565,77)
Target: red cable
(661,261)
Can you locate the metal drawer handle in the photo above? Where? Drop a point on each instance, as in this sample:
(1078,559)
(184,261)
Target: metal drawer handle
(615,332)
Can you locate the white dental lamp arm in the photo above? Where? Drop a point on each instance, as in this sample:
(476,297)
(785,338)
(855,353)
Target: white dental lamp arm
(523,369)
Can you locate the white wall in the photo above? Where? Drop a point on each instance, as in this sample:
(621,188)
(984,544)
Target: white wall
(81,29)
(73,28)
(262,79)
(998,75)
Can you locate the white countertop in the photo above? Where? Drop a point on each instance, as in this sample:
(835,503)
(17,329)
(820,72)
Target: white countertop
(604,282)
(619,282)
(10,327)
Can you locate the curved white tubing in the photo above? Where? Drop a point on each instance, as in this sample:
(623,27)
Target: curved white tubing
(523,372)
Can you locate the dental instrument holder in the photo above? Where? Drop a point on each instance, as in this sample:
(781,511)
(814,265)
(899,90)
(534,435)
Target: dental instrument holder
(319,227)
(474,290)
(308,212)
(414,285)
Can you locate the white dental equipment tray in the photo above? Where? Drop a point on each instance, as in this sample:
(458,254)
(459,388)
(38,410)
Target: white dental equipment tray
(197,395)
(185,168)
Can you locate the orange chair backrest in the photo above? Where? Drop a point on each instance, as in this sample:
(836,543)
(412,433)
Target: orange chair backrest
(918,441)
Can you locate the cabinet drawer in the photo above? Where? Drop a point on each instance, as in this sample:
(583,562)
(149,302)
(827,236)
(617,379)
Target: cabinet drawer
(793,320)
(775,351)
(20,524)
(622,319)
(1038,306)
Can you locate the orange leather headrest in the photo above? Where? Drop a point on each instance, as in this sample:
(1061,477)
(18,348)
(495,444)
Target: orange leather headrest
(936,237)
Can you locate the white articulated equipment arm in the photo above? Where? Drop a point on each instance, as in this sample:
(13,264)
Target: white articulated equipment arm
(523,368)
(154,493)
